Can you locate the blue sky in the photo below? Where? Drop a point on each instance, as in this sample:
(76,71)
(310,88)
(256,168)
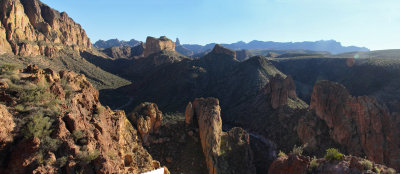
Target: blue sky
(371,23)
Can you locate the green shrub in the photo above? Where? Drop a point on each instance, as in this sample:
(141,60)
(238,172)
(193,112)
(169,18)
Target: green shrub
(8,68)
(282,154)
(313,165)
(38,126)
(78,134)
(366,164)
(297,150)
(333,154)
(86,157)
(61,162)
(377,170)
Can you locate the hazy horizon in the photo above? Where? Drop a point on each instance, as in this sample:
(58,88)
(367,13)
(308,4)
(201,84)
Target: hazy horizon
(359,23)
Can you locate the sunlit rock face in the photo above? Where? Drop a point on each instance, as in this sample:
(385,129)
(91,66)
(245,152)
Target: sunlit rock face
(30,28)
(154,45)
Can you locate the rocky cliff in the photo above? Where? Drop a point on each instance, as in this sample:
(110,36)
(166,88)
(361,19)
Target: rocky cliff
(61,127)
(154,45)
(32,28)
(360,125)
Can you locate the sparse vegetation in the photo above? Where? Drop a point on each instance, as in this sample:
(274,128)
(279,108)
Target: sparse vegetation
(366,164)
(313,165)
(333,154)
(298,150)
(282,154)
(38,126)
(85,157)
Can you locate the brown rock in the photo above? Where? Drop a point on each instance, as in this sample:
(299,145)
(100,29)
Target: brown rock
(281,89)
(360,124)
(168,160)
(154,45)
(147,119)
(224,152)
(208,116)
(189,113)
(6,126)
(293,164)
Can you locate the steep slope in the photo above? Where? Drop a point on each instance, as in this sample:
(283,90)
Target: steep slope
(61,127)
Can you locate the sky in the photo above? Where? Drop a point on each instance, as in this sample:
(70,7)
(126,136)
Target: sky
(374,24)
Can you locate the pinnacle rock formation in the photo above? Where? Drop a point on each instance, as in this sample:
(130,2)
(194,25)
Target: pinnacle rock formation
(224,152)
(32,28)
(154,45)
(147,118)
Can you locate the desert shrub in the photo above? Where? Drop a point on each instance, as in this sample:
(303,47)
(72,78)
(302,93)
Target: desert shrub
(297,150)
(282,154)
(78,134)
(333,154)
(376,170)
(8,68)
(85,157)
(38,126)
(366,164)
(313,165)
(98,111)
(391,171)
(61,162)
(49,144)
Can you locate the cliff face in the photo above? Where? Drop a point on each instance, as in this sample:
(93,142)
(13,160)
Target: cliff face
(32,28)
(61,127)
(360,124)
(154,45)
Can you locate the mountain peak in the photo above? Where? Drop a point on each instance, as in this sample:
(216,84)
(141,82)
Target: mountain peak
(219,49)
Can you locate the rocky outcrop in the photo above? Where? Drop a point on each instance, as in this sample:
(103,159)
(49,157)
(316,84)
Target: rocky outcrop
(218,49)
(6,127)
(225,152)
(293,164)
(280,90)
(125,51)
(85,136)
(147,119)
(154,45)
(359,124)
(298,164)
(33,28)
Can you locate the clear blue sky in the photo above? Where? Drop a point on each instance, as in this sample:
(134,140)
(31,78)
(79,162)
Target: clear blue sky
(371,23)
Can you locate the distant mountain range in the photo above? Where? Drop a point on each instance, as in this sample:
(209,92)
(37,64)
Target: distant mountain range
(115,43)
(331,46)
